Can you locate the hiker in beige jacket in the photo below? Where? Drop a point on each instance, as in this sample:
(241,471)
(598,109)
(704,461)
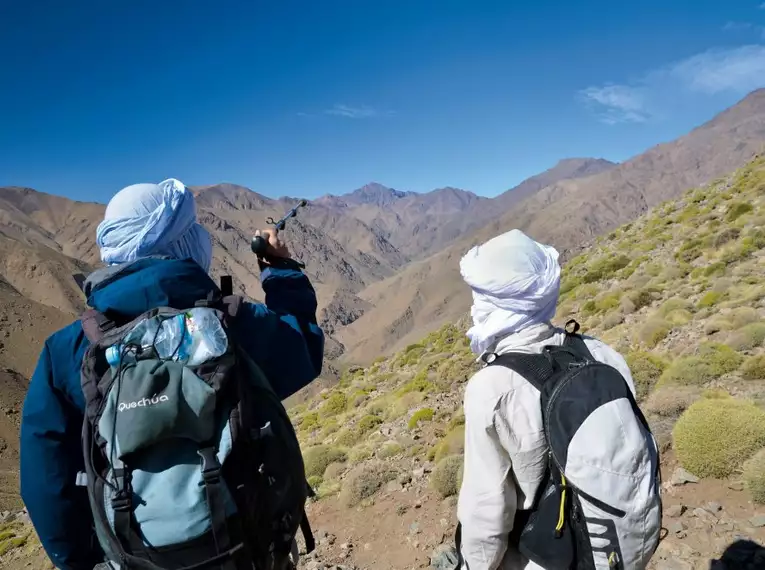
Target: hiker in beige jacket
(515,283)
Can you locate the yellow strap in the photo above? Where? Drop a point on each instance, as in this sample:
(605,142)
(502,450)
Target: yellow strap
(561,516)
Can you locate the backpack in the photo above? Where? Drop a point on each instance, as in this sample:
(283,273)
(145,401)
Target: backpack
(599,506)
(190,461)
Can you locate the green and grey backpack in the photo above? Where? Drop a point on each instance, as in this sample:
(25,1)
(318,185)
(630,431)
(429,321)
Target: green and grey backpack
(191,459)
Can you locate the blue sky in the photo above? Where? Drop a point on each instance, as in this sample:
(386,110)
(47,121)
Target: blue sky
(307,98)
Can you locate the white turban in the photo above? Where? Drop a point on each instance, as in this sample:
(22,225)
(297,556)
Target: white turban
(515,283)
(153,219)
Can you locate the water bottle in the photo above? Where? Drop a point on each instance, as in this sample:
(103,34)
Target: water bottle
(142,335)
(174,340)
(208,337)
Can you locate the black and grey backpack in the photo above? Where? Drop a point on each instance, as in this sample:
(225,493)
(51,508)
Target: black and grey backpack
(188,464)
(600,506)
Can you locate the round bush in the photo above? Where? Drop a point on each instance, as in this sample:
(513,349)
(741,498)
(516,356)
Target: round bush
(316,459)
(364,481)
(754,368)
(754,476)
(714,437)
(447,476)
(646,368)
(672,401)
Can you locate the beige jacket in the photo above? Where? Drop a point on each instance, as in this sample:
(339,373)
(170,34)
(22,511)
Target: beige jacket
(505,450)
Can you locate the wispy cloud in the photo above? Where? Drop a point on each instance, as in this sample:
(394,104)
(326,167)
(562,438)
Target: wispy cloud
(619,103)
(737,70)
(762,6)
(350,112)
(742,27)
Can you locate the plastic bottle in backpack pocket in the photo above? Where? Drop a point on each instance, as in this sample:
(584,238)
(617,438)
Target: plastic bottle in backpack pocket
(192,338)
(173,340)
(208,337)
(142,335)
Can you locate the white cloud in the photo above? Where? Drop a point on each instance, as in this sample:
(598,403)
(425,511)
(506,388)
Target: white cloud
(621,103)
(362,112)
(737,71)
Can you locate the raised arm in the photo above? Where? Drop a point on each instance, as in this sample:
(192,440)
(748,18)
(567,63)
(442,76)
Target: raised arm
(282,335)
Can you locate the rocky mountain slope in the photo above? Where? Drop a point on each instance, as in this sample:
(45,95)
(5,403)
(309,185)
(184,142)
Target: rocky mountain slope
(421,224)
(568,214)
(680,292)
(24,326)
(347,242)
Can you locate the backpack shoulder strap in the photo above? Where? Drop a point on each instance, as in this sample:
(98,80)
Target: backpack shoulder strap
(95,324)
(535,368)
(575,342)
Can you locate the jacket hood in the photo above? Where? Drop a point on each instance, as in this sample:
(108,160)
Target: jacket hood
(129,289)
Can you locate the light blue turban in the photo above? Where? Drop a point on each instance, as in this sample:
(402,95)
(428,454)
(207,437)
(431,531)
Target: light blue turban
(153,219)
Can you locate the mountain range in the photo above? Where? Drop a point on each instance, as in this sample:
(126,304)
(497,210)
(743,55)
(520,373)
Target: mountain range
(384,261)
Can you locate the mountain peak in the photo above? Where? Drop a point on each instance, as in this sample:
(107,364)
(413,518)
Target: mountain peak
(376,194)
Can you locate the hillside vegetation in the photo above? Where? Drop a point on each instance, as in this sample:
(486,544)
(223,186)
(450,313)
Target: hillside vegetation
(680,292)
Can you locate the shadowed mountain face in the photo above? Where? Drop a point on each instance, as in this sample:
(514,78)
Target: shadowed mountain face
(384,261)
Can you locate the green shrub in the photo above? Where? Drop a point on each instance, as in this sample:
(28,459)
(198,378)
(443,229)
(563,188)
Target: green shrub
(687,371)
(12,543)
(671,305)
(715,394)
(419,383)
(725,236)
(389,449)
(654,331)
(364,481)
(457,420)
(743,316)
(679,317)
(309,422)
(317,458)
(348,437)
(453,443)
(607,302)
(754,476)
(457,369)
(423,415)
(720,358)
(716,325)
(359,454)
(447,475)
(334,405)
(646,369)
(605,267)
(714,269)
(640,299)
(713,438)
(612,320)
(588,308)
(671,401)
(754,368)
(748,337)
(710,299)
(334,471)
(368,423)
(314,481)
(329,428)
(736,210)
(690,250)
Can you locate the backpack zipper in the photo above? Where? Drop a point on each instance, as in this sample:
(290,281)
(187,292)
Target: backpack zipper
(597,502)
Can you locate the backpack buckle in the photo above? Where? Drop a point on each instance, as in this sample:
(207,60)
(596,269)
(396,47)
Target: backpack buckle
(121,502)
(211,467)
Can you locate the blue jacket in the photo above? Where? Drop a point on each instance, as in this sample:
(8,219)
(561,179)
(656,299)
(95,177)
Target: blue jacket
(282,336)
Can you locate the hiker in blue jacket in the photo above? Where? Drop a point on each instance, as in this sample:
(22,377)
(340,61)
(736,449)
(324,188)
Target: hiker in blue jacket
(156,254)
